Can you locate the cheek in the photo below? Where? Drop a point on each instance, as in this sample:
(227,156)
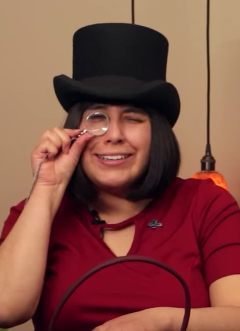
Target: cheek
(140,140)
(85,158)
(81,126)
(145,144)
(86,165)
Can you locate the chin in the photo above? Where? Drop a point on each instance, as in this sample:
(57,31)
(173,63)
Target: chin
(113,186)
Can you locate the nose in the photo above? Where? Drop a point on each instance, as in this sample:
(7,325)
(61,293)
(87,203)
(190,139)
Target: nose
(114,133)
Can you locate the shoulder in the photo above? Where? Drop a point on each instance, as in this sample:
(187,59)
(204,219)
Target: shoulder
(203,199)
(69,212)
(211,199)
(202,191)
(66,209)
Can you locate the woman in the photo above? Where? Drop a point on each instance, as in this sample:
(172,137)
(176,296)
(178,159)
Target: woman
(118,194)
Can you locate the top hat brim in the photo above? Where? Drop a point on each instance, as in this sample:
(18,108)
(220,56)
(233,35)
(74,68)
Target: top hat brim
(159,94)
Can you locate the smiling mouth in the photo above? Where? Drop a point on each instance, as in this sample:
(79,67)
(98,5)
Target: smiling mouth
(113,157)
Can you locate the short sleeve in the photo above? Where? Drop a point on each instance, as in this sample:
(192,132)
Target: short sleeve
(218,219)
(15,212)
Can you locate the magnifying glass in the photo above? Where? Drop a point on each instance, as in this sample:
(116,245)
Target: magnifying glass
(96,124)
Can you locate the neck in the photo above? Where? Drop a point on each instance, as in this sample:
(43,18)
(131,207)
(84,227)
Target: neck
(115,209)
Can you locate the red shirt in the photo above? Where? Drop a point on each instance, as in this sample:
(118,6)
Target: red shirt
(199,238)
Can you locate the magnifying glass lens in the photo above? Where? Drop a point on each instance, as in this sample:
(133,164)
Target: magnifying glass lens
(97,123)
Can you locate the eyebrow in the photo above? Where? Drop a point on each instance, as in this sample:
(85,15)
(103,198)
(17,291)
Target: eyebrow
(127,109)
(133,109)
(96,106)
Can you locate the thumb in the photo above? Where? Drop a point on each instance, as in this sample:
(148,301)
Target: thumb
(79,145)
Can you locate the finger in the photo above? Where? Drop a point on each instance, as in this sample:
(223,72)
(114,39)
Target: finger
(67,135)
(49,143)
(72,132)
(50,148)
(50,136)
(79,144)
(65,138)
(59,137)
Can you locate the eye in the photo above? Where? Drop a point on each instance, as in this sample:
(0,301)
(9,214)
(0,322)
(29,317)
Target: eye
(134,119)
(96,117)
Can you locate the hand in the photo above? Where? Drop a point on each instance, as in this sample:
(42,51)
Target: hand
(145,320)
(62,157)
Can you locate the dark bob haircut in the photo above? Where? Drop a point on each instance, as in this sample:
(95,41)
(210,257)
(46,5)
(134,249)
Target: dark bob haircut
(163,167)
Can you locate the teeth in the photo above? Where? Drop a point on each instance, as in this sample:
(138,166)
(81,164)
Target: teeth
(113,157)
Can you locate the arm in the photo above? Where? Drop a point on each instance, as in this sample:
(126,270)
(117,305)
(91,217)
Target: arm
(224,315)
(23,254)
(23,257)
(219,239)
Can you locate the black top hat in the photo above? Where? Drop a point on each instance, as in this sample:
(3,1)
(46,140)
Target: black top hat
(119,63)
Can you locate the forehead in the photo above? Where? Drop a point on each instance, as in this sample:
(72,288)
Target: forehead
(114,108)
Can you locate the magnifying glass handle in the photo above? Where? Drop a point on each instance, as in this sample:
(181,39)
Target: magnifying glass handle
(80,134)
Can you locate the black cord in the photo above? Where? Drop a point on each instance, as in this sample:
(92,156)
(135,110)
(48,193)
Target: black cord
(133,13)
(208,146)
(95,218)
(72,288)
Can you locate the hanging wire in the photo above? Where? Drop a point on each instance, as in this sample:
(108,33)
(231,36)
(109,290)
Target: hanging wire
(208,146)
(133,14)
